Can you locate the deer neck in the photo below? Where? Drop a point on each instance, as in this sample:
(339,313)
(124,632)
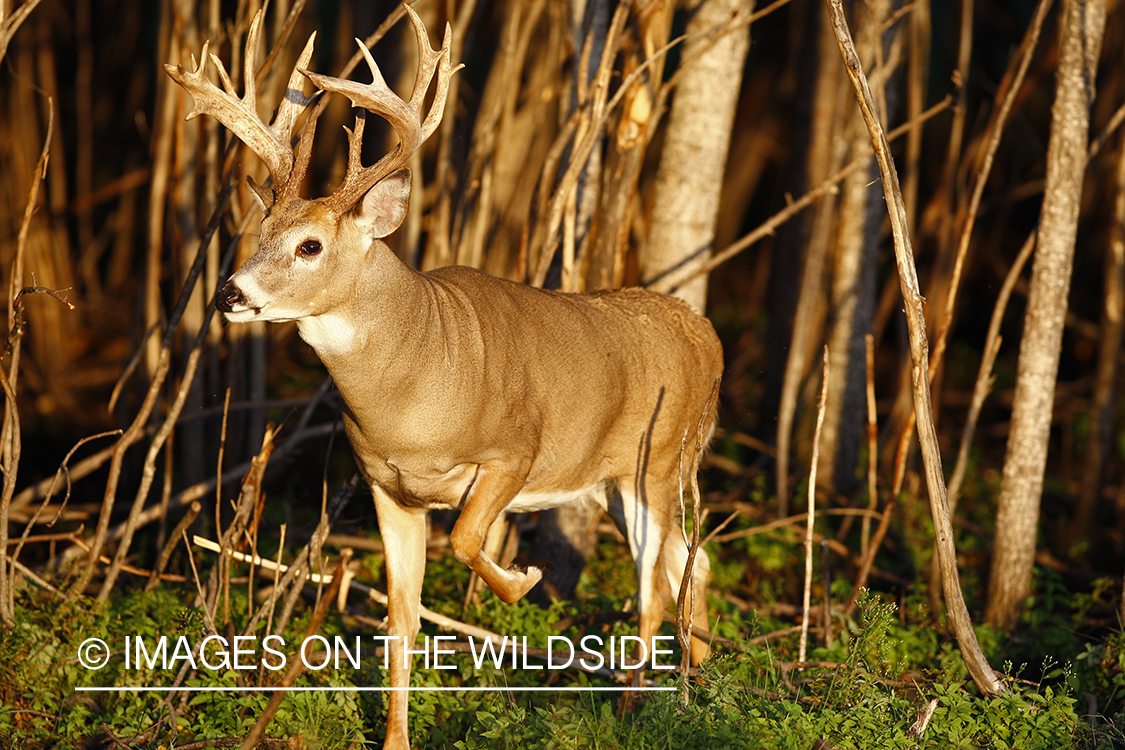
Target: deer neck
(380,343)
(371,313)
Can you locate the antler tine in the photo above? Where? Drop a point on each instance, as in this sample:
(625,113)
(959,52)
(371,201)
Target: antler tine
(294,101)
(292,105)
(291,188)
(432,59)
(272,143)
(406,117)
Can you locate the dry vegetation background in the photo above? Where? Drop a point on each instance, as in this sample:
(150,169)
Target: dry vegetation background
(543,148)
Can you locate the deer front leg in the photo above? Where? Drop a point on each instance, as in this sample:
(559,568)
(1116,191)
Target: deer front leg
(494,487)
(404,545)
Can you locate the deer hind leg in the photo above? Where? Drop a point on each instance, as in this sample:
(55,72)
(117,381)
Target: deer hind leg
(675,561)
(404,544)
(647,515)
(492,491)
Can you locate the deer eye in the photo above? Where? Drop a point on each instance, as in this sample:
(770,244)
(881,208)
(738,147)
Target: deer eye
(309,248)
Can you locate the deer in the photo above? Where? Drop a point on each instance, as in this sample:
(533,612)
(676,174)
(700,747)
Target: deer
(462,390)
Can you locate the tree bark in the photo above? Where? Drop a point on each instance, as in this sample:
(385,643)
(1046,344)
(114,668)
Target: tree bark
(690,176)
(1017,519)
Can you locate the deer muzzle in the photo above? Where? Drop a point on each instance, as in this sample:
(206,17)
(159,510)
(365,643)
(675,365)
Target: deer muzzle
(229,296)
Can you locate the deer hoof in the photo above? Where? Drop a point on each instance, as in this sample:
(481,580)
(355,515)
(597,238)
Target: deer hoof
(531,567)
(522,575)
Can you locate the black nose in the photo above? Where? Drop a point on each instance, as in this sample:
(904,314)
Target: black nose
(228,297)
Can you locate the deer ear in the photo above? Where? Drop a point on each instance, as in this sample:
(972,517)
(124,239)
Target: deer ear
(384,207)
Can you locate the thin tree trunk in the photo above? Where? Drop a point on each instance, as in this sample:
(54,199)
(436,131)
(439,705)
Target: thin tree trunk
(853,287)
(625,153)
(824,159)
(690,177)
(982,674)
(1017,519)
(1107,387)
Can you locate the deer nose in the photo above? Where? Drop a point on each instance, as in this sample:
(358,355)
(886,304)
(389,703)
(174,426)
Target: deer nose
(228,297)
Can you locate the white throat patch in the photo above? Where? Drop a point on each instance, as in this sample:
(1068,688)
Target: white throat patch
(328,334)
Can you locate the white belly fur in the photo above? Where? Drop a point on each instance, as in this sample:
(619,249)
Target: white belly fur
(528,502)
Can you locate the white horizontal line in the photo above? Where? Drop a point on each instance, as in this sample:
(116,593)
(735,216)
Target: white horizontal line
(236,689)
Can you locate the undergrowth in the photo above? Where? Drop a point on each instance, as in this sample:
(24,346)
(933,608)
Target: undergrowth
(871,688)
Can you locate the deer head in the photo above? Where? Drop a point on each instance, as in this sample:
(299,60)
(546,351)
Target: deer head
(308,249)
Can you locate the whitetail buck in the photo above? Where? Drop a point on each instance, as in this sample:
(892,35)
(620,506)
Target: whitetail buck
(463,390)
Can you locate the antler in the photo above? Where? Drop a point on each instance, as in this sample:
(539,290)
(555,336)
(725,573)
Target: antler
(406,117)
(240,115)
